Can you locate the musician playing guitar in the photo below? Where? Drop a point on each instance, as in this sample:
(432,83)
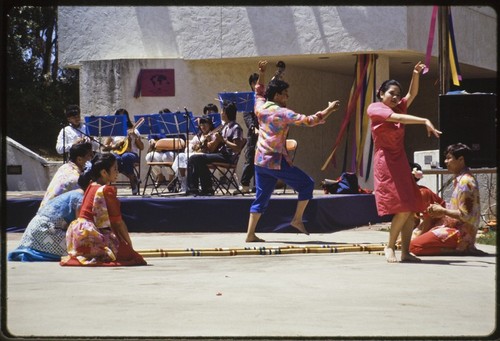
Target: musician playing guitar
(230,142)
(206,141)
(126,150)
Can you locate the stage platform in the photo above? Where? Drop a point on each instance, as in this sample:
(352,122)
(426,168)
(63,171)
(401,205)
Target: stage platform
(179,213)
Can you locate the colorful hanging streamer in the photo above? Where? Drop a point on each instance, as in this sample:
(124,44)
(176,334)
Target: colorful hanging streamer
(430,41)
(361,95)
(454,67)
(452,47)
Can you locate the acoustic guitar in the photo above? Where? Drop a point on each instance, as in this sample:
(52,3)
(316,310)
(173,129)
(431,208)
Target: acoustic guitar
(203,145)
(126,141)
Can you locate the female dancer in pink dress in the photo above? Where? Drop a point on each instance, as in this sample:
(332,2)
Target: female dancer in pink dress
(395,189)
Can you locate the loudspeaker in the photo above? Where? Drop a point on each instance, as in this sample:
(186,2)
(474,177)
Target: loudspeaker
(469,119)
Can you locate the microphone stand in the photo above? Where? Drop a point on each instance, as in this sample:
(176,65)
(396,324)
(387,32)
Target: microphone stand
(186,115)
(90,137)
(64,143)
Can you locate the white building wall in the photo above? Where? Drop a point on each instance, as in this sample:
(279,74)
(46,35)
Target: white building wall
(104,32)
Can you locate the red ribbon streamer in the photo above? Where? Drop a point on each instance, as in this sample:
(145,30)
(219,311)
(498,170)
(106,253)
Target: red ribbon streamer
(430,42)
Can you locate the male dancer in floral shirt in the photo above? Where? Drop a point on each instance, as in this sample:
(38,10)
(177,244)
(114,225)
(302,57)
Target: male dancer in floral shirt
(272,162)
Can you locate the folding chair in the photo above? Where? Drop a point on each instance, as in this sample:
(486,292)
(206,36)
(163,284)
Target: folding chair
(227,176)
(291,147)
(175,145)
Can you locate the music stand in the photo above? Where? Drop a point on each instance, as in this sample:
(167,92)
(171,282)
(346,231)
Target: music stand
(108,125)
(150,126)
(216,119)
(175,124)
(245,101)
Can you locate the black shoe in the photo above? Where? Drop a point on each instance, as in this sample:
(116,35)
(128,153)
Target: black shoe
(207,193)
(172,188)
(135,188)
(194,192)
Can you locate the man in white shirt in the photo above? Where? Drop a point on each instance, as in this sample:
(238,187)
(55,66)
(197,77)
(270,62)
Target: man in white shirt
(72,133)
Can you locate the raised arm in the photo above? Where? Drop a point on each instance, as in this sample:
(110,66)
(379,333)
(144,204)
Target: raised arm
(414,83)
(262,72)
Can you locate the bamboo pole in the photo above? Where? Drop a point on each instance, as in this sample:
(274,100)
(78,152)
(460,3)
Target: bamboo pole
(254,251)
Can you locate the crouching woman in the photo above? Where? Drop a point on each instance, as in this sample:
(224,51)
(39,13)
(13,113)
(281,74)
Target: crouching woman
(99,236)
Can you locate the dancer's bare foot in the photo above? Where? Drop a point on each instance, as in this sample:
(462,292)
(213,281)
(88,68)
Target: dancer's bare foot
(299,225)
(409,258)
(254,239)
(390,256)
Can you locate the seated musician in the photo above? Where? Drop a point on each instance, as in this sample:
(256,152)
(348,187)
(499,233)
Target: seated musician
(160,156)
(229,143)
(210,108)
(203,142)
(126,157)
(73,133)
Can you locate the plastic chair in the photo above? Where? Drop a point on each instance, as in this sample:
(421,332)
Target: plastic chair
(175,145)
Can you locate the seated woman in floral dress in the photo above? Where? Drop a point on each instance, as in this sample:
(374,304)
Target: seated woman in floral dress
(99,236)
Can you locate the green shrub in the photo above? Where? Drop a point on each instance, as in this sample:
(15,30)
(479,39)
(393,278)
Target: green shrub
(488,238)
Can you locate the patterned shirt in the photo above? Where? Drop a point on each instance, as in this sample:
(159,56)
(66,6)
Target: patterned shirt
(232,131)
(65,180)
(274,122)
(465,198)
(101,206)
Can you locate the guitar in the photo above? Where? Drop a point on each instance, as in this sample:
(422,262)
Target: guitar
(203,145)
(126,141)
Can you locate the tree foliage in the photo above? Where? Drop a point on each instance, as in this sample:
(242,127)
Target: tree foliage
(37,89)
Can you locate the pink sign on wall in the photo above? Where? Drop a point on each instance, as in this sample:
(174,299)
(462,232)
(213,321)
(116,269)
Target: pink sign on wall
(155,82)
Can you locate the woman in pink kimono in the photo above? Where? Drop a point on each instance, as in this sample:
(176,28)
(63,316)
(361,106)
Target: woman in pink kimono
(395,189)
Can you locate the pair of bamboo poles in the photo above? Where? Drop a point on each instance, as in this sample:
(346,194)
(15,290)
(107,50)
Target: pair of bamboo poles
(273,250)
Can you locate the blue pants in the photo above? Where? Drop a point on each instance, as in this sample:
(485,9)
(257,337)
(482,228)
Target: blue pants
(126,162)
(265,182)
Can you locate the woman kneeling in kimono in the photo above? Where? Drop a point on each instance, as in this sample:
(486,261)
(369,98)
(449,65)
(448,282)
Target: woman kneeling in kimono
(99,236)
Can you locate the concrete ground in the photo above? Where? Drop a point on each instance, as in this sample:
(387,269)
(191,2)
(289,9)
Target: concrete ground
(352,294)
